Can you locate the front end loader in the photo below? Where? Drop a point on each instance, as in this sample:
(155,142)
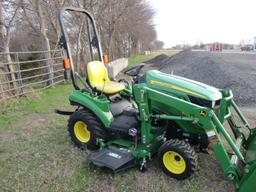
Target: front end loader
(128,123)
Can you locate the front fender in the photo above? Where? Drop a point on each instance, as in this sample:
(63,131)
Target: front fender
(100,107)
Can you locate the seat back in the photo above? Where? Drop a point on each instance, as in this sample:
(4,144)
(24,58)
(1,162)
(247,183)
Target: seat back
(97,73)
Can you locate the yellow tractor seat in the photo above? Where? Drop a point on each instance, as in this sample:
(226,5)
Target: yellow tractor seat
(98,78)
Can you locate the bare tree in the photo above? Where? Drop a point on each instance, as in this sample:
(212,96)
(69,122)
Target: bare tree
(36,16)
(125,27)
(8,12)
(45,41)
(159,44)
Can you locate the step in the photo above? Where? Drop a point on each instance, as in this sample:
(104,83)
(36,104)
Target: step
(112,158)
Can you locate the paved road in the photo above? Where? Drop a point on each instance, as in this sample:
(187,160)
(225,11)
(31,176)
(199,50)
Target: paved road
(227,51)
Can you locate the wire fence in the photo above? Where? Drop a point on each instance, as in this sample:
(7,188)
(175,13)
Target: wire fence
(22,73)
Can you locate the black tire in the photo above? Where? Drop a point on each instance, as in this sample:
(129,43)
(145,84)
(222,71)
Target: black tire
(93,126)
(177,159)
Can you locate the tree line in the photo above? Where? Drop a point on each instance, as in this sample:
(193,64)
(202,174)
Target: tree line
(125,28)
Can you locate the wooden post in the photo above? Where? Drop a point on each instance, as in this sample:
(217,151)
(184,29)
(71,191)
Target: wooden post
(1,86)
(19,73)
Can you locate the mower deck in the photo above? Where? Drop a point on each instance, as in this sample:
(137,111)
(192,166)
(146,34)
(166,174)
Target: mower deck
(112,158)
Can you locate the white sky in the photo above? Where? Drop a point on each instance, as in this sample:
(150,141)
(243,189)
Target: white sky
(191,21)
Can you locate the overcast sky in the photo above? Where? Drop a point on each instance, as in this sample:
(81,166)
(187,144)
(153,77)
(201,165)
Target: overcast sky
(191,21)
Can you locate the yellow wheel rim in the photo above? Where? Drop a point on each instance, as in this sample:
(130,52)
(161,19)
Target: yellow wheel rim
(174,162)
(81,132)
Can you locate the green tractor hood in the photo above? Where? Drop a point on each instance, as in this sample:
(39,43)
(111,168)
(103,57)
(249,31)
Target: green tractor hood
(182,86)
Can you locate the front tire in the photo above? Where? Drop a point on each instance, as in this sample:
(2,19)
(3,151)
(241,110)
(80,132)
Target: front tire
(85,128)
(177,159)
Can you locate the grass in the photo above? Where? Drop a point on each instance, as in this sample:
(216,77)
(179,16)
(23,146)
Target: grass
(134,60)
(36,154)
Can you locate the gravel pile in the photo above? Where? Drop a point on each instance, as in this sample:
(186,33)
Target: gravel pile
(236,72)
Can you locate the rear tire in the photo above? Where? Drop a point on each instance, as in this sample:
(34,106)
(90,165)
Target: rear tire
(85,128)
(177,159)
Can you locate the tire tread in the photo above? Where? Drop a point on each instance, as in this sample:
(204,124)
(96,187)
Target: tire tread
(94,125)
(186,148)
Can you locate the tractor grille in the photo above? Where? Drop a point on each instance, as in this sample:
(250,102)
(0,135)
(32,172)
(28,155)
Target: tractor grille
(201,102)
(204,102)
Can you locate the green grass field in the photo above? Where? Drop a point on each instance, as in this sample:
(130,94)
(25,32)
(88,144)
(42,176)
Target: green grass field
(36,154)
(134,60)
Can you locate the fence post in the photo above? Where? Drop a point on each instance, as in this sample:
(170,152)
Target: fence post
(49,63)
(19,73)
(50,77)
(1,86)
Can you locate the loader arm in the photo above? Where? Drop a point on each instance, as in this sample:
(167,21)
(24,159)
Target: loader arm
(239,167)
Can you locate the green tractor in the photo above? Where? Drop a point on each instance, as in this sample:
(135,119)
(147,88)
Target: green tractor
(126,124)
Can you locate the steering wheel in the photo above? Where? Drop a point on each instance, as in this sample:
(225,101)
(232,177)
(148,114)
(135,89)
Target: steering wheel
(134,71)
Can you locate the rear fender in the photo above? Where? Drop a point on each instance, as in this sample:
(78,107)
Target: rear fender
(99,106)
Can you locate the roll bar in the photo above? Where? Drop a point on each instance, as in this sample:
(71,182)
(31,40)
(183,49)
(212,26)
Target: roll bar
(65,40)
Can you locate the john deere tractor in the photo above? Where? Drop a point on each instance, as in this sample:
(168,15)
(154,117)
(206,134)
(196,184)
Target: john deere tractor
(157,114)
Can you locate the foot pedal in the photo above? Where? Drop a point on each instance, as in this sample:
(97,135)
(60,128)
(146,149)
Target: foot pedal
(115,159)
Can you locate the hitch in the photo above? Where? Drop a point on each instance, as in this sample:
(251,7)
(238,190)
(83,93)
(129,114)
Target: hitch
(60,112)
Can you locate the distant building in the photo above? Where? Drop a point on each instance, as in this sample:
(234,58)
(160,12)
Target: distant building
(216,46)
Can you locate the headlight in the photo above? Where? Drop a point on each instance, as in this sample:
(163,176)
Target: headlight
(202,102)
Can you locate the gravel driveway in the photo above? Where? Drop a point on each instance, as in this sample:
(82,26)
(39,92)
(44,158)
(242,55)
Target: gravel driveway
(233,71)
